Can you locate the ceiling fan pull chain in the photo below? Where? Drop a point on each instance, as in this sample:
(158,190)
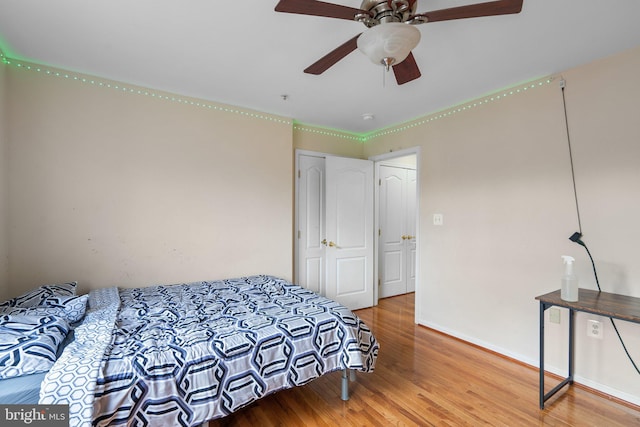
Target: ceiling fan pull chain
(384,76)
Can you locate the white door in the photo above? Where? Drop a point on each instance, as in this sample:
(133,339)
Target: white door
(349,231)
(412,193)
(310,263)
(392,261)
(397,233)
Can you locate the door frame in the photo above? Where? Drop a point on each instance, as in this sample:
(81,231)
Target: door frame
(377,161)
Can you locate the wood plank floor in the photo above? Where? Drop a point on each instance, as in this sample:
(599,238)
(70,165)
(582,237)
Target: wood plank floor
(426,378)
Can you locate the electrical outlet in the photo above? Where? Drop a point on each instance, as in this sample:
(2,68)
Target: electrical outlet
(554,315)
(594,329)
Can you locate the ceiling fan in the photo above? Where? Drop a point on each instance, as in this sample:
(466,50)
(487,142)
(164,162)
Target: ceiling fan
(390,36)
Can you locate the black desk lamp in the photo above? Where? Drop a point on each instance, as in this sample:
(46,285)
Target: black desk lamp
(577,238)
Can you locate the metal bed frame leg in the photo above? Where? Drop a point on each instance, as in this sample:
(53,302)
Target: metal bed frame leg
(345,384)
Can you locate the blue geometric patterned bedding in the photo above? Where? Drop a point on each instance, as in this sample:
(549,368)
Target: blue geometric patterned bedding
(29,344)
(32,329)
(185,354)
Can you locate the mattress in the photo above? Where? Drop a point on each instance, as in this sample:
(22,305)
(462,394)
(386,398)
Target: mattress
(187,353)
(21,390)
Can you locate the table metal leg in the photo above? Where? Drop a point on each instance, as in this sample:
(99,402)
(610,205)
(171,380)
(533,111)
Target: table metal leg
(572,315)
(542,309)
(569,379)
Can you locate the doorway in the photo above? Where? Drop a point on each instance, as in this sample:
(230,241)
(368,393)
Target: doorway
(396,222)
(397,231)
(311,242)
(334,243)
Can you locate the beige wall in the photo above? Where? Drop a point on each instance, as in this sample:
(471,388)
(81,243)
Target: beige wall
(115,188)
(111,188)
(500,175)
(4,185)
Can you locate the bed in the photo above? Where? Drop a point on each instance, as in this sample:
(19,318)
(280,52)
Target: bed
(187,353)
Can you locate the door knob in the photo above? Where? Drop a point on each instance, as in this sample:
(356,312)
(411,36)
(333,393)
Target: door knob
(324,242)
(331,244)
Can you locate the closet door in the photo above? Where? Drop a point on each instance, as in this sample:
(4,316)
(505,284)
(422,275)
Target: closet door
(397,233)
(310,262)
(412,193)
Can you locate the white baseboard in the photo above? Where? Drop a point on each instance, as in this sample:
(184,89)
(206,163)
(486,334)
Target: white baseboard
(635,400)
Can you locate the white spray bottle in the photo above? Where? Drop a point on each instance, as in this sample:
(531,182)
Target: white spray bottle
(569,289)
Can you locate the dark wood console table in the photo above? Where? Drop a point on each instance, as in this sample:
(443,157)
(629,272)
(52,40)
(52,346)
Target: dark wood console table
(600,303)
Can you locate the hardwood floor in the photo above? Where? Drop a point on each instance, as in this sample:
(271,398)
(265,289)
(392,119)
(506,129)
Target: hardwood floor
(426,378)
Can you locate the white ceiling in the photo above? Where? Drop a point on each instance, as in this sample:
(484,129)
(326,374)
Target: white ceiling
(244,54)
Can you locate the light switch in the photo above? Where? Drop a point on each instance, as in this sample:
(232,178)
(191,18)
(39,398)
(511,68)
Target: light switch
(438,219)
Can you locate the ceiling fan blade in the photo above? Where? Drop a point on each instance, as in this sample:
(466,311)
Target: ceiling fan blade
(407,70)
(327,61)
(319,8)
(501,7)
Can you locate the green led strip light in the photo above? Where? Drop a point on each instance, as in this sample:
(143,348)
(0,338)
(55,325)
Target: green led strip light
(297,126)
(127,89)
(328,132)
(429,118)
(459,109)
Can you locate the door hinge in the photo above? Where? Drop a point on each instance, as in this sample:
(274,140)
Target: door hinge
(299,234)
(379,232)
(379,182)
(299,174)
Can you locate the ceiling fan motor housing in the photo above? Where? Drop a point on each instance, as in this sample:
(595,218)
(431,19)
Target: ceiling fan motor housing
(384,11)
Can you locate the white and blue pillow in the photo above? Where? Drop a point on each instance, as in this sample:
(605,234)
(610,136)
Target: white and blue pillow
(34,324)
(29,344)
(37,296)
(70,308)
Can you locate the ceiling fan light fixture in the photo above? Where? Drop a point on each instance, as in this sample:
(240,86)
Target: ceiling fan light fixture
(389,43)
